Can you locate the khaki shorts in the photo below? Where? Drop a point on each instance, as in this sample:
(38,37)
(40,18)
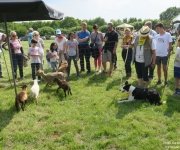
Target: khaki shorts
(108,56)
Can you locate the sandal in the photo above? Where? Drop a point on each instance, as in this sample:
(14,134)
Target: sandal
(103,72)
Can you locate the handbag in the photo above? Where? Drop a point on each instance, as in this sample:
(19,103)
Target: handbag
(94,49)
(25,60)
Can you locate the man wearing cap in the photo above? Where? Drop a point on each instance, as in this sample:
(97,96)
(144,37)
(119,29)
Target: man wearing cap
(2,38)
(29,35)
(163,51)
(110,46)
(83,38)
(60,40)
(153,34)
(144,55)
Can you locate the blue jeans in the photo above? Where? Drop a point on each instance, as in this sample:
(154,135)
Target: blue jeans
(18,62)
(35,67)
(75,64)
(54,66)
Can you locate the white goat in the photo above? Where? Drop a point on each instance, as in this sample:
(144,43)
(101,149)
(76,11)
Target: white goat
(34,91)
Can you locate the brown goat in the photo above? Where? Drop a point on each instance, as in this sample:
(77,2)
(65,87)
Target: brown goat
(21,98)
(64,85)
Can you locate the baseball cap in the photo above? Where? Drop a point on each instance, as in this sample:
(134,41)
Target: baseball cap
(58,31)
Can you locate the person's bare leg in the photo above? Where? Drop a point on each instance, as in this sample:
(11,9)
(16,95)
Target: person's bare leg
(146,84)
(177,83)
(165,72)
(104,66)
(140,82)
(159,71)
(111,66)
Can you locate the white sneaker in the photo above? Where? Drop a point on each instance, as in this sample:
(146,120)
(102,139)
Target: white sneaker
(99,70)
(96,69)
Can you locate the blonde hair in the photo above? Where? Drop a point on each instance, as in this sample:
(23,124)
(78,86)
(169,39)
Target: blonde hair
(35,33)
(11,33)
(84,23)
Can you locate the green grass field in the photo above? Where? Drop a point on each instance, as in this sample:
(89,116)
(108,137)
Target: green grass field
(90,119)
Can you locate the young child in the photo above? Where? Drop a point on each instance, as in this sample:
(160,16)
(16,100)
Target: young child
(34,53)
(53,56)
(72,53)
(177,68)
(48,59)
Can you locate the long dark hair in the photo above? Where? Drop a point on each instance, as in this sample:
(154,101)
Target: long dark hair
(70,35)
(51,47)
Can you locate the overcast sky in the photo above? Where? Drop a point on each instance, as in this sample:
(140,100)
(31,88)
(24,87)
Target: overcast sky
(112,9)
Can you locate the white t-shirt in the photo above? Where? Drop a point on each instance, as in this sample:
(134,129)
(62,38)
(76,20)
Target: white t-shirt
(162,44)
(1,34)
(60,44)
(140,51)
(72,47)
(54,58)
(34,51)
(177,58)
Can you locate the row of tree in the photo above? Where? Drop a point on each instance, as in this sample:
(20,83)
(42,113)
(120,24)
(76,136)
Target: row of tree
(70,24)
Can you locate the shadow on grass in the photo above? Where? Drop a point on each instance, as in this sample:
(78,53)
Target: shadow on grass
(6,116)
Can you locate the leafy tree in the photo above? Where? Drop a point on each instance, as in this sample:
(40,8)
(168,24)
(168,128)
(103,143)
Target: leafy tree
(103,28)
(131,20)
(46,31)
(69,22)
(116,22)
(169,13)
(125,20)
(137,25)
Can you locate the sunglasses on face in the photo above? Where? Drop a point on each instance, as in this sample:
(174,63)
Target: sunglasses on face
(13,35)
(35,35)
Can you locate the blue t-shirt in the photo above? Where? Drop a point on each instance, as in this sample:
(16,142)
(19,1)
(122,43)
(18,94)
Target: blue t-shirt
(29,37)
(82,35)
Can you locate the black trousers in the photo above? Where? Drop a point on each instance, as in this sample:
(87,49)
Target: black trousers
(127,64)
(18,62)
(84,51)
(75,64)
(151,72)
(35,67)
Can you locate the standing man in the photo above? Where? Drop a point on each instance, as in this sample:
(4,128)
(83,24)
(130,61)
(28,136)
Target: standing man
(153,34)
(163,51)
(109,51)
(29,35)
(2,38)
(83,38)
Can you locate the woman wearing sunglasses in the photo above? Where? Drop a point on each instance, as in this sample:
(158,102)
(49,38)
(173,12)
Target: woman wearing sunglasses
(17,54)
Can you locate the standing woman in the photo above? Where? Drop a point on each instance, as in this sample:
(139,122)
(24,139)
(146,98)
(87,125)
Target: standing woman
(127,51)
(40,44)
(61,43)
(97,37)
(17,54)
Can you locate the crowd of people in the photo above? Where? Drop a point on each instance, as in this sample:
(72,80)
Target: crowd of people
(146,50)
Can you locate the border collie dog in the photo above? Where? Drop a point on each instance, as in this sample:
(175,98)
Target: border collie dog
(151,95)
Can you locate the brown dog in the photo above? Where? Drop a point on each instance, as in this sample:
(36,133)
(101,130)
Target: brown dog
(63,67)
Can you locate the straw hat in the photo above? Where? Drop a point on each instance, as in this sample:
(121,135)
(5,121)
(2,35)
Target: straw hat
(144,31)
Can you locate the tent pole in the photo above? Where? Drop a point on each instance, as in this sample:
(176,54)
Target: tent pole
(7,68)
(10,55)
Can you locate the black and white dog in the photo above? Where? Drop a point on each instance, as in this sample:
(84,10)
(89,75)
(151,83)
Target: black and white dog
(151,95)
